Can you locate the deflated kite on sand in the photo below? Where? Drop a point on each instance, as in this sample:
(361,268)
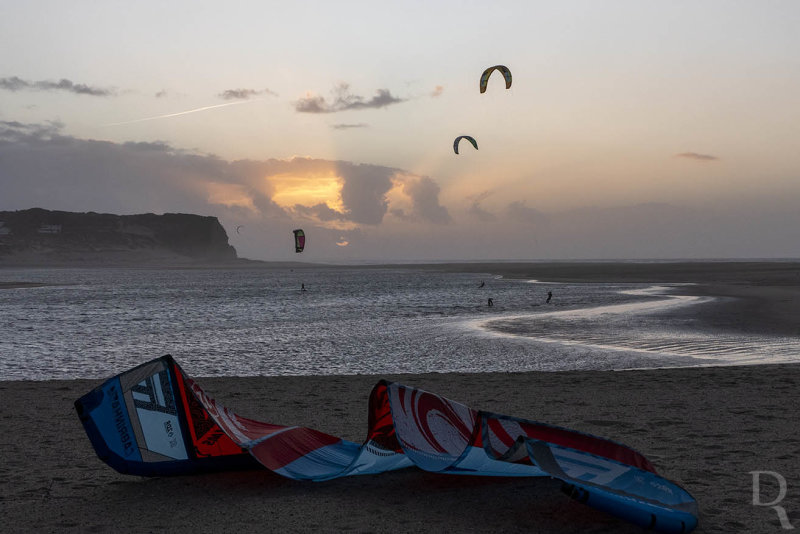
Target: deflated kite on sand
(154,420)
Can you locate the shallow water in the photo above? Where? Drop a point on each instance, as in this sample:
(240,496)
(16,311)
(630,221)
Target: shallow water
(94,323)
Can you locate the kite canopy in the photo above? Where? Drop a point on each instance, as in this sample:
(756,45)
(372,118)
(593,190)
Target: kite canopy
(154,420)
(299,240)
(468,138)
(488,72)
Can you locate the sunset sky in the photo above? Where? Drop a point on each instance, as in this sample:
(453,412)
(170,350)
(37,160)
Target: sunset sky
(632,129)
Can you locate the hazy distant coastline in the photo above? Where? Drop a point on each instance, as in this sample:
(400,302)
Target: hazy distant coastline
(39,237)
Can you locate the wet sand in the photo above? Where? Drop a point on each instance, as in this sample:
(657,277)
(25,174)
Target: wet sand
(751,297)
(705,428)
(19,285)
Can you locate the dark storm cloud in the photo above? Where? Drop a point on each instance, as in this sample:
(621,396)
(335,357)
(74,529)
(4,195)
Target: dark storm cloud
(424,194)
(697,157)
(344,100)
(244,94)
(17,84)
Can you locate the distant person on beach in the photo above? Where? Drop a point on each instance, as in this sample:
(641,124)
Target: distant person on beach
(490,304)
(549,296)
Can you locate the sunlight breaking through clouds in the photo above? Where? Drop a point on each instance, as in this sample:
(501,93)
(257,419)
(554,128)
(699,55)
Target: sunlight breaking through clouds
(308,191)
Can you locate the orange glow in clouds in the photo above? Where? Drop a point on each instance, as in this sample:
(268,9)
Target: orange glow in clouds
(229,195)
(290,190)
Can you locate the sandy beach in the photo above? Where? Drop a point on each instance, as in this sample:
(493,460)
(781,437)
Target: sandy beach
(705,428)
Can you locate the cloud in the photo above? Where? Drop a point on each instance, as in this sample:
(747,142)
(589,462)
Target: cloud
(481,214)
(401,214)
(244,94)
(349,126)
(475,210)
(383,213)
(17,84)
(697,157)
(437,91)
(18,132)
(344,100)
(311,104)
(519,212)
(364,189)
(424,194)
(321,212)
(41,166)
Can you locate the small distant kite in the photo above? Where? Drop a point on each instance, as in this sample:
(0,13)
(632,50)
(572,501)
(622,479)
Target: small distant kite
(237,228)
(468,138)
(299,240)
(488,72)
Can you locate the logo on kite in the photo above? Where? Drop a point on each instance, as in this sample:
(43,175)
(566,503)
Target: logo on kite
(488,72)
(237,228)
(468,138)
(299,240)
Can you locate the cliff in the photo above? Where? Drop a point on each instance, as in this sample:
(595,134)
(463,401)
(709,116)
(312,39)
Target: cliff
(43,237)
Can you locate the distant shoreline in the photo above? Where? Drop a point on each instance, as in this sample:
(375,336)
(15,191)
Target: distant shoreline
(19,285)
(758,297)
(755,297)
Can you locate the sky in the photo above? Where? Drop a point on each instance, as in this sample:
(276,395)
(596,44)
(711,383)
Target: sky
(632,130)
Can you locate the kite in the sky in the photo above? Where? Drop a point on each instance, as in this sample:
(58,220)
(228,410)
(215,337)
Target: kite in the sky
(468,138)
(488,72)
(299,240)
(154,420)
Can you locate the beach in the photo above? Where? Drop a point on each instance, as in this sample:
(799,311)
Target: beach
(704,428)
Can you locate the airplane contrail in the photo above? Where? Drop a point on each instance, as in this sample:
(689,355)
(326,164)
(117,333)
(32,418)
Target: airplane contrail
(183,112)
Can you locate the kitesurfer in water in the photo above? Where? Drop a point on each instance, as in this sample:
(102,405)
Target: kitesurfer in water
(490,303)
(482,283)
(302,287)
(549,296)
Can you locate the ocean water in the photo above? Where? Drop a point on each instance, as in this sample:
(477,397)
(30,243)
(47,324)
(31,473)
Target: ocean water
(93,323)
